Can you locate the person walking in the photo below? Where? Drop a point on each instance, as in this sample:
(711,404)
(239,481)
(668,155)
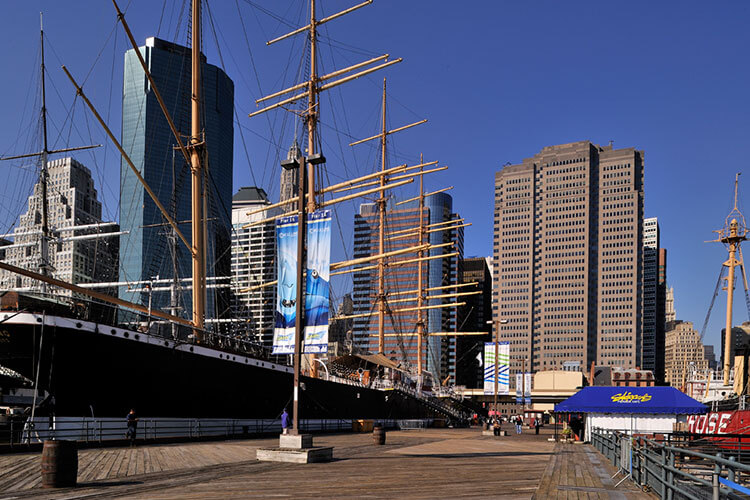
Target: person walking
(284,422)
(132,426)
(519,423)
(537,425)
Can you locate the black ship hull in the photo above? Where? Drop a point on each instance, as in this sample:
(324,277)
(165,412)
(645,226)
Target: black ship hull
(92,369)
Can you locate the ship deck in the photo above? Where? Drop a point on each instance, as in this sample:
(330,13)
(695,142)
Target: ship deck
(431,463)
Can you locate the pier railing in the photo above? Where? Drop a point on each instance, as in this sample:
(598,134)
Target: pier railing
(19,433)
(672,469)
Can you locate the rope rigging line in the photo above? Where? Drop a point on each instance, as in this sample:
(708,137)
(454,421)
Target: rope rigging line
(23,127)
(399,339)
(744,281)
(274,148)
(713,300)
(70,119)
(277,17)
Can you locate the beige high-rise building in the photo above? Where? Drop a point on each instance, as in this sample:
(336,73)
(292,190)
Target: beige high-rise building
(683,353)
(82,248)
(253,263)
(568,257)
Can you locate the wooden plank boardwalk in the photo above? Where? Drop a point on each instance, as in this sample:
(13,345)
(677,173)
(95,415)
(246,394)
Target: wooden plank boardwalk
(578,471)
(432,463)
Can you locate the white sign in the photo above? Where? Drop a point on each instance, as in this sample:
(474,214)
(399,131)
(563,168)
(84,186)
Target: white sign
(503,367)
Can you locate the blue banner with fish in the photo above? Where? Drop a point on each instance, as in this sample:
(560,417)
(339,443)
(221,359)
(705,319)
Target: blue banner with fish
(317,300)
(285,316)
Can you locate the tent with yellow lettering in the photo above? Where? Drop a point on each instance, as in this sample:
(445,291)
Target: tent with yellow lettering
(639,410)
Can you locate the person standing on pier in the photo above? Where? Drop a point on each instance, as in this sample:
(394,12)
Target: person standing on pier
(284,422)
(132,426)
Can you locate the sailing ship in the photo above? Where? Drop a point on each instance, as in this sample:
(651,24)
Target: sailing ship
(69,359)
(726,394)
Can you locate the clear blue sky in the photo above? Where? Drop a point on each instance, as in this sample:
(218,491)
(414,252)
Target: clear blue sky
(498,80)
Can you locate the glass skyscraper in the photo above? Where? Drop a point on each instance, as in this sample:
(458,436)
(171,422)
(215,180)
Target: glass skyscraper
(400,329)
(150,249)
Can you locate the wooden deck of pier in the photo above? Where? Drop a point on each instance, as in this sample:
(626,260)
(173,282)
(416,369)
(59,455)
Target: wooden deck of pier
(578,471)
(433,463)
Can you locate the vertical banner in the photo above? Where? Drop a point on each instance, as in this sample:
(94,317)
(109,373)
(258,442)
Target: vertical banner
(286,262)
(503,354)
(525,386)
(317,301)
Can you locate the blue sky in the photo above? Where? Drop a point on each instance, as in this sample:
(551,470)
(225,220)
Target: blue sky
(497,80)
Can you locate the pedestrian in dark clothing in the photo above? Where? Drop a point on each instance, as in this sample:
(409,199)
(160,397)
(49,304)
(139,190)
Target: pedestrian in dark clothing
(132,426)
(537,425)
(284,422)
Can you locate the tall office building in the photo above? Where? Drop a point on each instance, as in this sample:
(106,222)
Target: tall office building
(654,298)
(683,354)
(568,257)
(710,356)
(740,342)
(650,292)
(83,255)
(150,248)
(661,315)
(253,263)
(474,317)
(400,328)
(289,185)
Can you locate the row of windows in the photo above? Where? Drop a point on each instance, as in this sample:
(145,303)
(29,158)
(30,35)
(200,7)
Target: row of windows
(609,168)
(564,193)
(564,185)
(566,162)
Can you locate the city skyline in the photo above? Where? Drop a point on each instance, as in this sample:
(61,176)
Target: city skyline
(674,83)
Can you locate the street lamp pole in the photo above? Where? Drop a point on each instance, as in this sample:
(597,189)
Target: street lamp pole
(523,385)
(497,365)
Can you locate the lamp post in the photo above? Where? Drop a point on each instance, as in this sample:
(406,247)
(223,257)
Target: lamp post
(301,165)
(497,342)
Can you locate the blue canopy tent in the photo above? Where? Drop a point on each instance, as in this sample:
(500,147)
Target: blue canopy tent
(631,409)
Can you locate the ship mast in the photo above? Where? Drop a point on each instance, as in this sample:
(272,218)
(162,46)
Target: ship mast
(312,111)
(196,170)
(44,265)
(732,234)
(381,203)
(420,284)
(306,165)
(381,236)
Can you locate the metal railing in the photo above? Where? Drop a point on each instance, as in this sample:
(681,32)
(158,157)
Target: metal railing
(673,470)
(413,424)
(93,431)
